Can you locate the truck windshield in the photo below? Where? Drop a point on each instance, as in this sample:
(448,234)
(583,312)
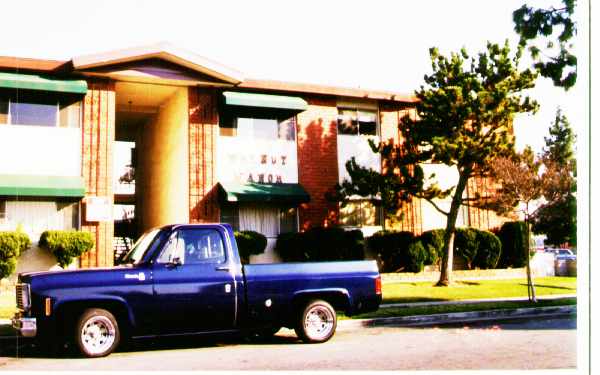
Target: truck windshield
(136,254)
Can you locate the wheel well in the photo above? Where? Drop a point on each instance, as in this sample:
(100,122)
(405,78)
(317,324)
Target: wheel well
(337,300)
(68,314)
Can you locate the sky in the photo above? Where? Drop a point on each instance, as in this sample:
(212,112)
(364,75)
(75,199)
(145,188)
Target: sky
(368,44)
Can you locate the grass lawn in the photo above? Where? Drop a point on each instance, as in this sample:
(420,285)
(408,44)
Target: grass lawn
(477,289)
(7,305)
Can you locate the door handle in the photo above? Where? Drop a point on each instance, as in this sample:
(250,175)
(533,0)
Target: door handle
(222,269)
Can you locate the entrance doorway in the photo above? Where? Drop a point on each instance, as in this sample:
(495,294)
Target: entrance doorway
(150,160)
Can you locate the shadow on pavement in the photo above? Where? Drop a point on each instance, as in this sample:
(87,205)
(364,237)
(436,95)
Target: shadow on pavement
(18,347)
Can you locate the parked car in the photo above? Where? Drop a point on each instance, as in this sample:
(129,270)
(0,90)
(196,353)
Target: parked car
(188,279)
(561,253)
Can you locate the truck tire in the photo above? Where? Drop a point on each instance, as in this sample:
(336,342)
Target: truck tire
(97,333)
(317,322)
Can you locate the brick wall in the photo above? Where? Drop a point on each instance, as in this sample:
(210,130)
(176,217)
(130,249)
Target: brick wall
(409,216)
(317,161)
(203,133)
(98,136)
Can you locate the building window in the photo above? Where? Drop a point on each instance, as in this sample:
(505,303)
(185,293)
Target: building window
(288,220)
(37,109)
(34,217)
(261,219)
(259,128)
(352,121)
(230,215)
(360,213)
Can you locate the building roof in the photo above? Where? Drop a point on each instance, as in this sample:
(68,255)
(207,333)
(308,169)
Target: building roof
(88,64)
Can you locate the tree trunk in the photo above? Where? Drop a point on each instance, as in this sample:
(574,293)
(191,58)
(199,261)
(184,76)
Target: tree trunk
(530,285)
(448,254)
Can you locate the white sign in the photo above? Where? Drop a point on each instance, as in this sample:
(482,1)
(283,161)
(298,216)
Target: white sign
(98,209)
(242,160)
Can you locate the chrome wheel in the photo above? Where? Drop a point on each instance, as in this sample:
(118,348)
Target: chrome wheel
(317,322)
(98,335)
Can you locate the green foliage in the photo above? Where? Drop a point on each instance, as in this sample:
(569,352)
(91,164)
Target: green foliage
(416,256)
(480,249)
(321,244)
(548,32)
(12,244)
(466,245)
(558,218)
(392,249)
(464,116)
(250,243)
(433,242)
(558,222)
(66,245)
(514,238)
(489,251)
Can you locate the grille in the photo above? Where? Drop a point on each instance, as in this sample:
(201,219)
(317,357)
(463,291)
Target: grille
(23,298)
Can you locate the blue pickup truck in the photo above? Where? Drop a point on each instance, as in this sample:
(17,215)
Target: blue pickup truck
(188,279)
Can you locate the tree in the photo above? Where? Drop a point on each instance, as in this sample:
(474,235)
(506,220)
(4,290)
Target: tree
(519,182)
(464,120)
(553,60)
(558,220)
(526,184)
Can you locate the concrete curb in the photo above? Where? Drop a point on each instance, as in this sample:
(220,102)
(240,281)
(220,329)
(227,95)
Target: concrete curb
(474,316)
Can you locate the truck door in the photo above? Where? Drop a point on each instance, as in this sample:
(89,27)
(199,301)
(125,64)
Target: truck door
(193,286)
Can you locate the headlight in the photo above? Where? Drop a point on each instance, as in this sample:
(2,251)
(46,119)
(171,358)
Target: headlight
(23,294)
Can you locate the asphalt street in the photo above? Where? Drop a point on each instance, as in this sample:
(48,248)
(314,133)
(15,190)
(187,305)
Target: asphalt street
(518,344)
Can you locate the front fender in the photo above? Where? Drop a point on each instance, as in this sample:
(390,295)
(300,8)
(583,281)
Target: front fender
(115,304)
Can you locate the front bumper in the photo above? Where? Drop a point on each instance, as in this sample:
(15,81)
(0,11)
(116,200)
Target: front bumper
(27,327)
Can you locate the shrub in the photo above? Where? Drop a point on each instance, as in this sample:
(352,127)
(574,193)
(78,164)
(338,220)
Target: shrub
(66,245)
(392,249)
(514,238)
(480,249)
(250,243)
(433,242)
(490,250)
(12,244)
(466,245)
(416,257)
(290,247)
(321,244)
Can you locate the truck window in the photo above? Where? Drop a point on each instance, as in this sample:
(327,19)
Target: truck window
(194,246)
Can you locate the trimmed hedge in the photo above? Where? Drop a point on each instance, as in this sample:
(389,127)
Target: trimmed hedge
(404,252)
(321,244)
(250,243)
(12,244)
(514,238)
(480,249)
(433,242)
(66,245)
(397,251)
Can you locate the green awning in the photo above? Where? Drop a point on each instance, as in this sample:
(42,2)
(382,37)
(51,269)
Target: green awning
(36,82)
(276,193)
(265,101)
(42,186)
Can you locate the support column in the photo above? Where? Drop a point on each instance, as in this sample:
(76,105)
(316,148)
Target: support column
(203,133)
(98,136)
